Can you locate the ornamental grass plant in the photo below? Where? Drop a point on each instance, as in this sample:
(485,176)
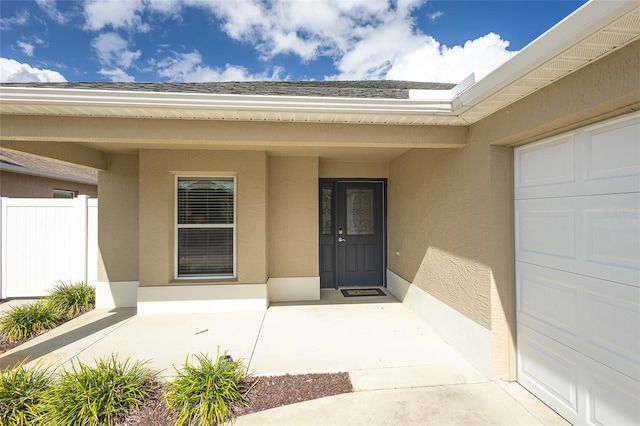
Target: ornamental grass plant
(22,390)
(97,395)
(72,300)
(207,392)
(27,321)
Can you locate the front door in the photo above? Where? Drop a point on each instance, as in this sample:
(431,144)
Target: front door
(352,233)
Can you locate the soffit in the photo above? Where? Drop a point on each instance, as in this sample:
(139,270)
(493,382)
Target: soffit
(621,32)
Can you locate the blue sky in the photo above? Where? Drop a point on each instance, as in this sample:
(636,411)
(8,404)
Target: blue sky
(230,40)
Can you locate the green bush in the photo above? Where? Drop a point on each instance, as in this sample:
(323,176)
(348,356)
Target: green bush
(99,395)
(21,391)
(72,299)
(207,393)
(26,321)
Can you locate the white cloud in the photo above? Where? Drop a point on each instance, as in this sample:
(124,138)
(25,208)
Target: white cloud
(435,15)
(113,50)
(49,7)
(116,14)
(117,75)
(27,48)
(12,71)
(188,67)
(19,20)
(433,62)
(365,39)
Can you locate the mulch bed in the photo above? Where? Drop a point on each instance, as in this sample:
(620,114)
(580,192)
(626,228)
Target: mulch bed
(266,392)
(6,345)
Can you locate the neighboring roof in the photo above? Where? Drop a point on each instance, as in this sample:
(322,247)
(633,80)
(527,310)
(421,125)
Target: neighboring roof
(596,29)
(370,89)
(12,161)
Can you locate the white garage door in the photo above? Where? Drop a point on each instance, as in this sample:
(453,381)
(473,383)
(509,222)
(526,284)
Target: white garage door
(577,230)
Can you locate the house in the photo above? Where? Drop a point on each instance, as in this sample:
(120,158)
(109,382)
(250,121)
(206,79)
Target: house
(26,176)
(505,212)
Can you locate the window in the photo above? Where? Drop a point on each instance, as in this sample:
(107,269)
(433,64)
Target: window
(63,193)
(205,227)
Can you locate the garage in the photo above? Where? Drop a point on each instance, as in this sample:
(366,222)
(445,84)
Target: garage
(577,251)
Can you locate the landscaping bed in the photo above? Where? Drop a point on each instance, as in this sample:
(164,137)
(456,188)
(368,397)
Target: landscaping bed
(265,393)
(123,392)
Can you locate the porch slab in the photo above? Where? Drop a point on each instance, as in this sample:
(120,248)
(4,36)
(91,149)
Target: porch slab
(401,371)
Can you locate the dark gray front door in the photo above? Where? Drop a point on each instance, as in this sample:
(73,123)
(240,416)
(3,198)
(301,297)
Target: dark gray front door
(352,233)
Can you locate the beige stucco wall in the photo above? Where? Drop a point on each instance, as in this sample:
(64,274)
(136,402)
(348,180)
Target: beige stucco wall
(118,224)
(450,211)
(20,185)
(335,169)
(158,171)
(293,217)
(437,215)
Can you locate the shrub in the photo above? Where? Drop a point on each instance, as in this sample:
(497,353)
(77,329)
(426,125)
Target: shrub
(21,390)
(72,299)
(27,321)
(98,395)
(207,393)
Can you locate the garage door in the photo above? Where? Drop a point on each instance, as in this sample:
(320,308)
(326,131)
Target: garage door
(577,231)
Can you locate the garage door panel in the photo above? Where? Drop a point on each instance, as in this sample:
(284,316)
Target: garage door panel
(558,156)
(612,152)
(545,230)
(599,318)
(578,388)
(599,159)
(611,331)
(547,304)
(613,235)
(595,235)
(547,367)
(613,399)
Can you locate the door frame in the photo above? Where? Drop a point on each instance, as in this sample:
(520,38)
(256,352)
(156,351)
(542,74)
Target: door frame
(333,183)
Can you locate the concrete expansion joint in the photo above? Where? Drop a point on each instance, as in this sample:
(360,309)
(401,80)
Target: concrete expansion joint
(255,343)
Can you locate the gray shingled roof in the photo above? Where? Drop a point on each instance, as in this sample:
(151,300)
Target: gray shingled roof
(385,89)
(30,162)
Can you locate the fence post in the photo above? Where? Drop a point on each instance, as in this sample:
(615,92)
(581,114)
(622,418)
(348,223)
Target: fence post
(3,246)
(82,206)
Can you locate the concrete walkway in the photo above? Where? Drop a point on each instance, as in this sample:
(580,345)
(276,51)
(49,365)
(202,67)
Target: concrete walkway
(401,371)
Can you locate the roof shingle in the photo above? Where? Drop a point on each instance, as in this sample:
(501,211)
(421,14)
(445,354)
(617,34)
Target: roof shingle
(381,89)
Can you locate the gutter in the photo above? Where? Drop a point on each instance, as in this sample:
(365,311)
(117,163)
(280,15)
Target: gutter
(207,101)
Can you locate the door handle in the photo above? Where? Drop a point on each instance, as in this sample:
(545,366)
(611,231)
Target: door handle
(341,240)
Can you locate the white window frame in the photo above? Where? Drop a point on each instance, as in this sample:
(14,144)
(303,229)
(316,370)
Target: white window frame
(226,226)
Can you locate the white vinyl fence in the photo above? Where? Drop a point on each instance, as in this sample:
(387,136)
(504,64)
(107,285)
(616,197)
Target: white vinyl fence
(46,241)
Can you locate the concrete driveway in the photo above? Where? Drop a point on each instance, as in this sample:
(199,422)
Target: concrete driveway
(401,371)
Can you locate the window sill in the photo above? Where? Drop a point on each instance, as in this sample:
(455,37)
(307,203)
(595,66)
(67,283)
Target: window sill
(198,281)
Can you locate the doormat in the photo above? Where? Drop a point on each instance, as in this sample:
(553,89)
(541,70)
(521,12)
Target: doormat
(356,292)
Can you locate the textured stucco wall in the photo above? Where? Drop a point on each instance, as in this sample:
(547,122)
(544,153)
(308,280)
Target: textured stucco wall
(118,223)
(158,171)
(293,217)
(437,222)
(450,211)
(334,169)
(20,185)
